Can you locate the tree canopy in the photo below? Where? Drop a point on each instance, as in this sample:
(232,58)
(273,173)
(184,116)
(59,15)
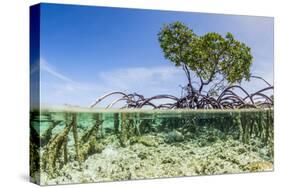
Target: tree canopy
(218,62)
(213,58)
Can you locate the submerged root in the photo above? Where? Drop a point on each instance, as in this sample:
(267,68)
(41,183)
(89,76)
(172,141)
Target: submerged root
(76,141)
(47,135)
(54,150)
(34,161)
(91,148)
(89,139)
(93,131)
(123,133)
(56,153)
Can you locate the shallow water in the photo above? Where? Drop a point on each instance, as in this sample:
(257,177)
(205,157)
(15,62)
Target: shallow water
(77,146)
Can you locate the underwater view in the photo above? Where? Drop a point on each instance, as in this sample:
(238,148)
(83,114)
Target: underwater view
(84,145)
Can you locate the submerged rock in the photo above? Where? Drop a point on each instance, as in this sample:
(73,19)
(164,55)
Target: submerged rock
(148,141)
(142,155)
(174,136)
(259,166)
(212,138)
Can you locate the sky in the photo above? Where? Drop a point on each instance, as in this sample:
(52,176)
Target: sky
(87,51)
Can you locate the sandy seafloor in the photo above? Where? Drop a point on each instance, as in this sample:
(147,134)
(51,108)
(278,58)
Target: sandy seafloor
(155,156)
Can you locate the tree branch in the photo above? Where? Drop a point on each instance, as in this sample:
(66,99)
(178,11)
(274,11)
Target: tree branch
(259,77)
(187,73)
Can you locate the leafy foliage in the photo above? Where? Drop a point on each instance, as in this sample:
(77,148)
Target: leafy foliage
(212,57)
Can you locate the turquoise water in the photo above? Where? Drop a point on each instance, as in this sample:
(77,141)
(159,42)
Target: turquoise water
(83,145)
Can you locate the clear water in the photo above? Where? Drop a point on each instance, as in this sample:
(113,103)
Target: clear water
(77,146)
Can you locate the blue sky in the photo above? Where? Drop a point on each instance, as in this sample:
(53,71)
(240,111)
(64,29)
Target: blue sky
(87,51)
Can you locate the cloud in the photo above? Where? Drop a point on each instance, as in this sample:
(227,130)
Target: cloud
(147,81)
(58,88)
(142,77)
(44,66)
